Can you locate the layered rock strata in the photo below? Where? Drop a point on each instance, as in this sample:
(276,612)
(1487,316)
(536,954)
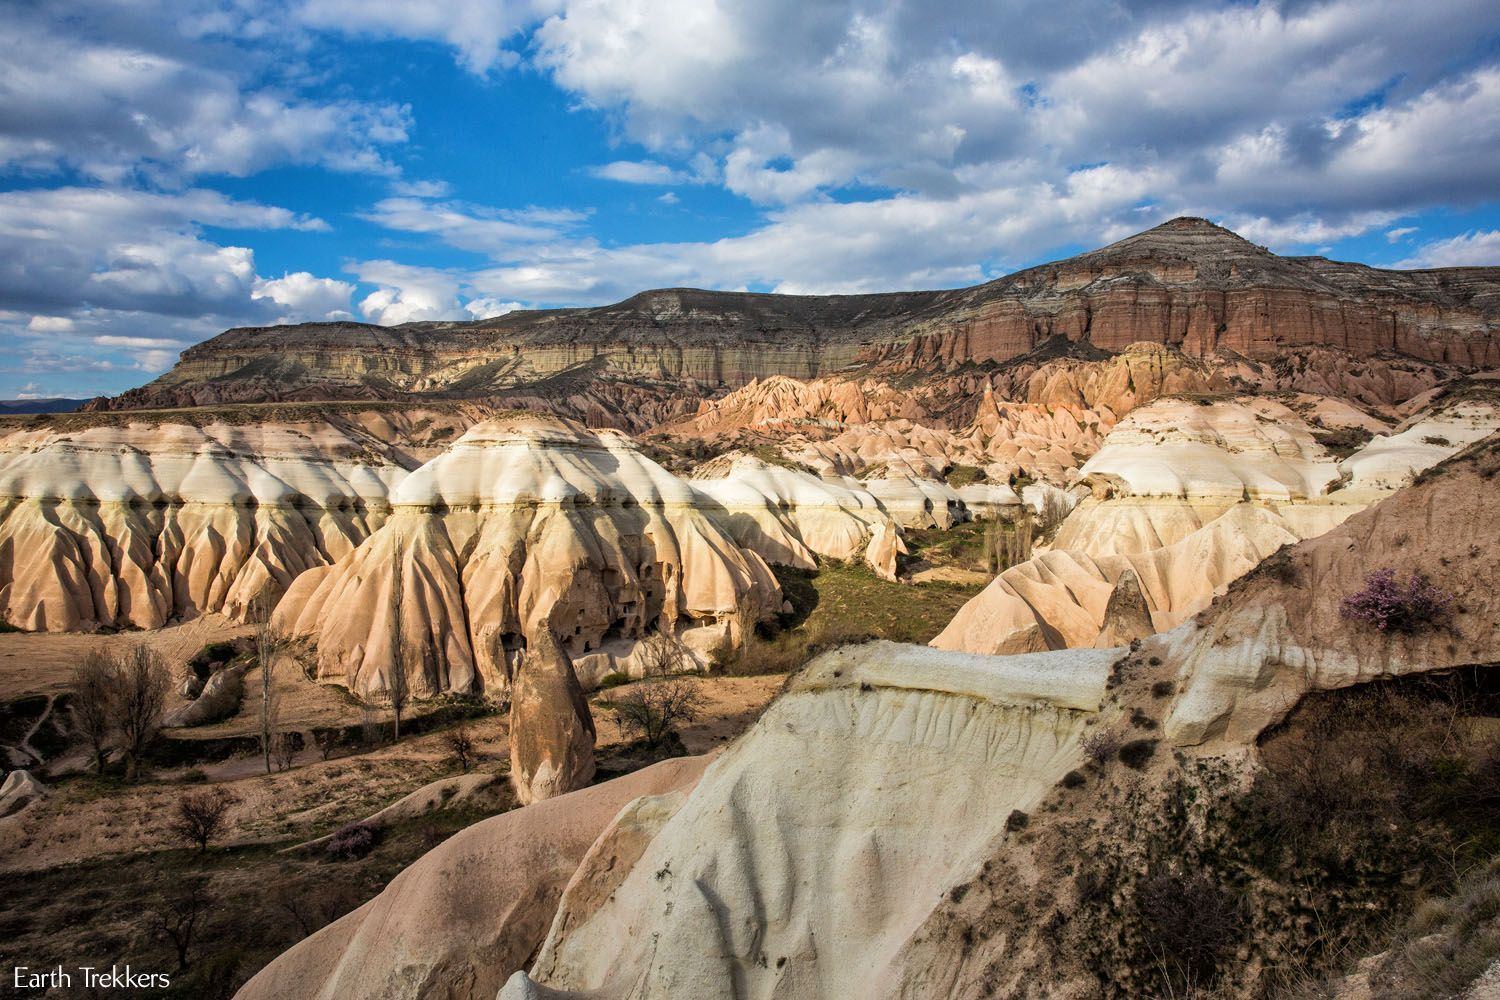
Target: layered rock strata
(112,524)
(527,524)
(790,517)
(1187,284)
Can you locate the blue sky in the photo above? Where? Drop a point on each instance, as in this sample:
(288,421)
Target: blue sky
(168,170)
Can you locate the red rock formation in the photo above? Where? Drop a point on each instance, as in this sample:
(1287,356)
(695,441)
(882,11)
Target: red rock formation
(1186,284)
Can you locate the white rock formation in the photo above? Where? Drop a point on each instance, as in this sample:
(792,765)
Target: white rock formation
(990,500)
(1390,461)
(134,524)
(19,790)
(527,519)
(818,842)
(1188,497)
(1246,448)
(789,516)
(915,502)
(1276,636)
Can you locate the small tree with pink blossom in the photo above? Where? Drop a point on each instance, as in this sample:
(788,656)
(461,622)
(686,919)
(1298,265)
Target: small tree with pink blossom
(1391,606)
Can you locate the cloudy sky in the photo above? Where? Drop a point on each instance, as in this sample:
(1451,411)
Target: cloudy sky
(168,170)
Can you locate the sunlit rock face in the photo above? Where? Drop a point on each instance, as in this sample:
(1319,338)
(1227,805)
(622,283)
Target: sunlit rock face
(813,847)
(527,523)
(1276,635)
(1189,496)
(652,358)
(109,522)
(790,517)
(1390,461)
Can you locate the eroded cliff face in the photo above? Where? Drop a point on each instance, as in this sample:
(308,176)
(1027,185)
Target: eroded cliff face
(648,360)
(1195,286)
(130,523)
(1189,496)
(527,524)
(818,842)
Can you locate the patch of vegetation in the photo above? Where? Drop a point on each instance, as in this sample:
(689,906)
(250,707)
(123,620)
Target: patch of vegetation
(1341,442)
(990,546)
(771,455)
(959,476)
(1390,606)
(1369,801)
(839,604)
(1137,753)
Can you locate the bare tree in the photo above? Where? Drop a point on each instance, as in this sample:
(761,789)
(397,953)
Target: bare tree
(664,697)
(201,815)
(460,743)
(141,682)
(179,914)
(397,688)
(270,644)
(92,705)
(313,907)
(287,747)
(327,741)
(370,726)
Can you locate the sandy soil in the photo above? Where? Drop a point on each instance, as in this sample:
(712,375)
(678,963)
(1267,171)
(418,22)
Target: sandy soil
(42,662)
(82,818)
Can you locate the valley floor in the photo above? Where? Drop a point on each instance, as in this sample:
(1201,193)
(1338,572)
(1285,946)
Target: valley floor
(89,874)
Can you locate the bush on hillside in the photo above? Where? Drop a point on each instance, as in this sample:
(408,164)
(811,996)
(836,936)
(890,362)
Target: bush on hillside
(353,842)
(1392,607)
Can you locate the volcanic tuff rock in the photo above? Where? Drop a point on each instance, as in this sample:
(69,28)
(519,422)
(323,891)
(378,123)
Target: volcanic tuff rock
(115,522)
(817,843)
(1189,496)
(551,730)
(526,524)
(1280,632)
(796,865)
(1186,283)
(789,516)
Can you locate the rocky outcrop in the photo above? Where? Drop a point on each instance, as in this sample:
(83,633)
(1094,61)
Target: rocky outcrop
(19,790)
(1244,448)
(109,522)
(1281,632)
(551,730)
(1127,616)
(790,517)
(1188,496)
(818,842)
(218,698)
(1187,284)
(1391,460)
(523,522)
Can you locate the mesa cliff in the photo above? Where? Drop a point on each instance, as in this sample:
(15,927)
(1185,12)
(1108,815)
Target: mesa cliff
(1186,284)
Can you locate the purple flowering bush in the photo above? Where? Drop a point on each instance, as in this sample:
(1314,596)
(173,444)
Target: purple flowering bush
(353,842)
(1391,606)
